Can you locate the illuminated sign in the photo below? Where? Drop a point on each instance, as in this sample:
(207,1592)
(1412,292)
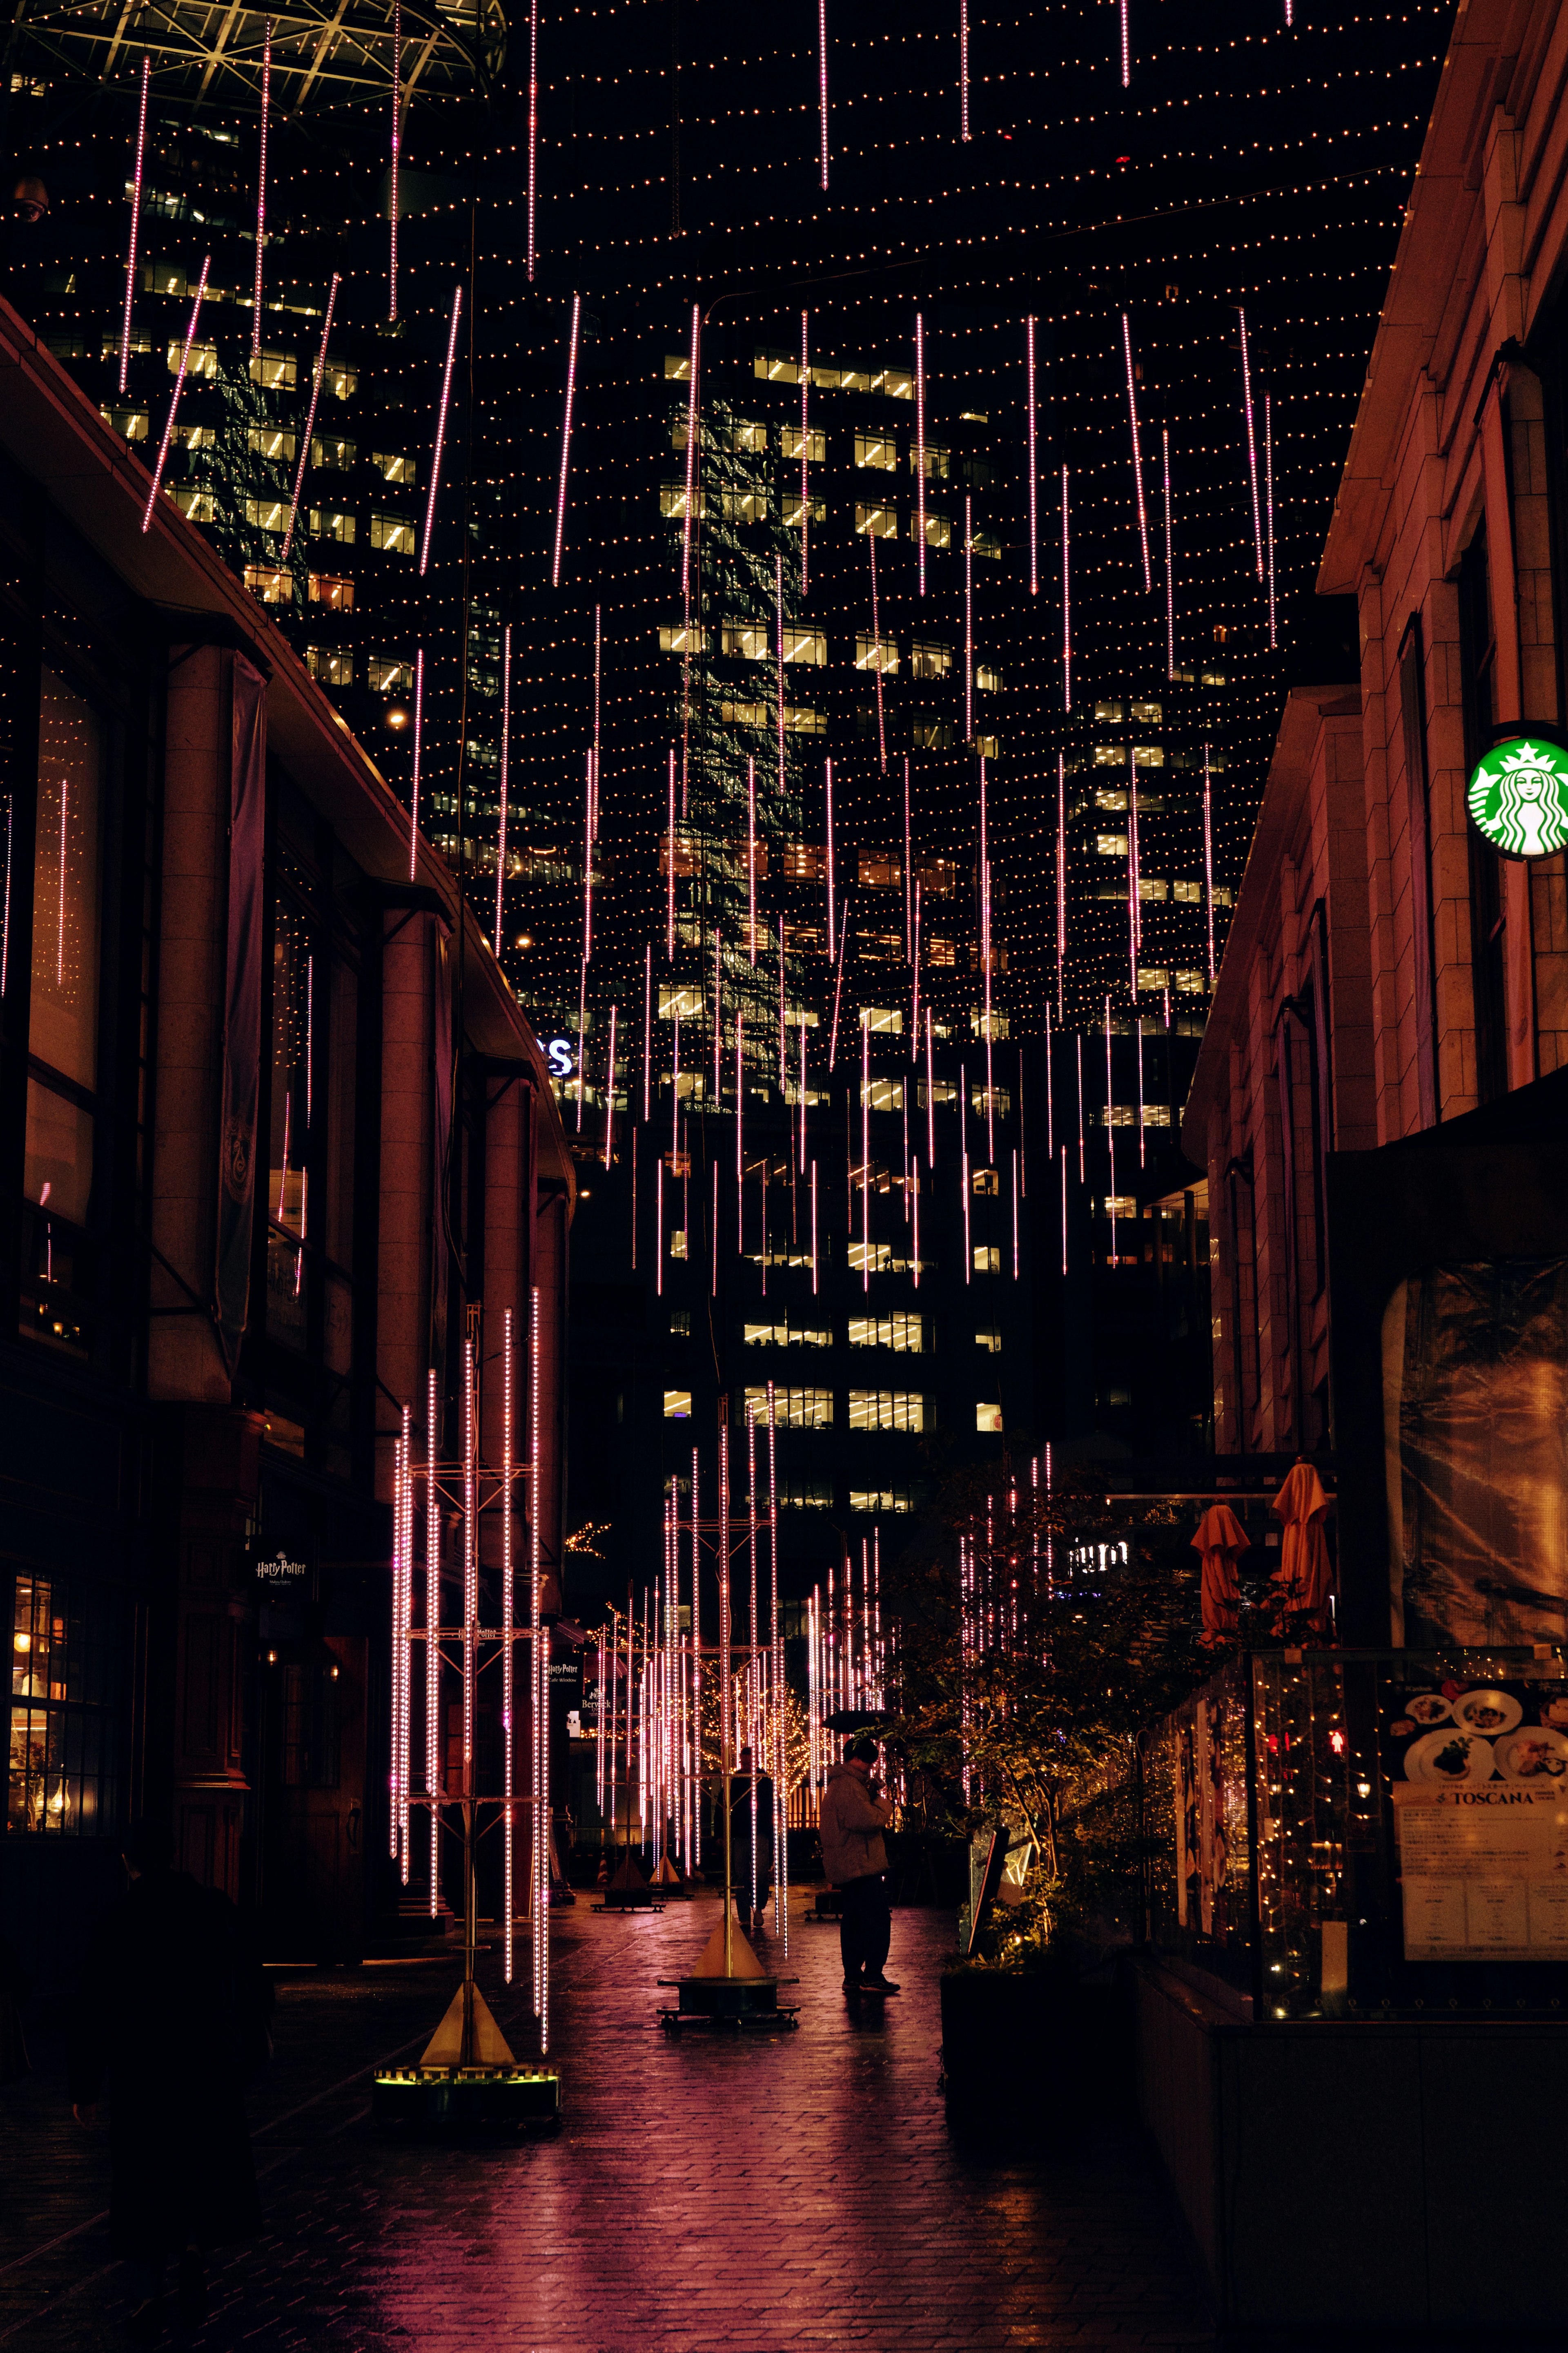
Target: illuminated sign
(1518,797)
(563,1058)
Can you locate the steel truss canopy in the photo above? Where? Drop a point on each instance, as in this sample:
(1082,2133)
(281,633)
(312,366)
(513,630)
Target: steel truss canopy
(326,54)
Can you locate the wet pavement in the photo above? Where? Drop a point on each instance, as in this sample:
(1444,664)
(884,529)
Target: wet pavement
(791,2191)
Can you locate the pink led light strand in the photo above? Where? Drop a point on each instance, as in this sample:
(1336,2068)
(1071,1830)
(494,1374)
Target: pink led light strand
(692,367)
(261,182)
(1251,446)
(1126,47)
(751,858)
(963,68)
(610,1093)
(1066,604)
(316,383)
(1034,511)
(1268,506)
(441,428)
(567,443)
(1137,452)
(821,83)
(968,619)
(779,682)
(829,767)
(1208,859)
(1170,564)
(533,128)
(805,446)
(135,225)
(877,658)
(396,153)
(920,451)
(505,746)
(1061,884)
(418,733)
(174,398)
(669,898)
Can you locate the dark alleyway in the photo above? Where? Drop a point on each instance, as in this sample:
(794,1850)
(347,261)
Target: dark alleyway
(800,2191)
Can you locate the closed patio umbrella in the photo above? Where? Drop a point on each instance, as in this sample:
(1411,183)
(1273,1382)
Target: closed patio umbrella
(1219,1544)
(1301,1579)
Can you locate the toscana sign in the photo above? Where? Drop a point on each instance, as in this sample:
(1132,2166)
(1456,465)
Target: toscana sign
(1519,798)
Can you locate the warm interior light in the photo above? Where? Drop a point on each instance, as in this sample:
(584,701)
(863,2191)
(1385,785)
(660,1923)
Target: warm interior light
(397,716)
(24,1641)
(525,939)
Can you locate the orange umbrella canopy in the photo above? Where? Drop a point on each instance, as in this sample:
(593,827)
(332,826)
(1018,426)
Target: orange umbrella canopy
(1219,1543)
(1302,1580)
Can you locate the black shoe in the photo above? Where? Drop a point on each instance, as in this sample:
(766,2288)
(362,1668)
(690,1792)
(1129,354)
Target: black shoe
(193,2289)
(853,1985)
(878,1985)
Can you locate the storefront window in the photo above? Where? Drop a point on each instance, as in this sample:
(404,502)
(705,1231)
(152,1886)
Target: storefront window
(62,1753)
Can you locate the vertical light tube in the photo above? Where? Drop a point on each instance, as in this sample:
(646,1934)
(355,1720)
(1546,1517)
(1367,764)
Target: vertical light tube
(567,443)
(1034,511)
(877,658)
(814,1282)
(1138,1033)
(658,1226)
(646,1036)
(610,1092)
(866,1148)
(779,681)
(822,84)
(1126,47)
(508,1637)
(156,483)
(804,448)
(963,68)
(1268,506)
(915,984)
(1134,885)
(909,883)
(396,153)
(540,1652)
(1137,451)
(434,1776)
(968,619)
(693,473)
(471,1564)
(399,1565)
(533,129)
(1015,1213)
(135,227)
(1170,564)
(505,746)
(1061,884)
(669,900)
(921,452)
(316,383)
(1208,860)
(829,768)
(1251,446)
(1066,604)
(261,182)
(931,1099)
(752,857)
(441,426)
(1110,1130)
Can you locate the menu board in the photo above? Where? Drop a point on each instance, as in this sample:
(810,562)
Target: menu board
(1480,1799)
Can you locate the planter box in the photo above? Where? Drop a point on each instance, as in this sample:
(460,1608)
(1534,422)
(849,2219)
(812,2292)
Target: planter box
(1017,2047)
(1387,2176)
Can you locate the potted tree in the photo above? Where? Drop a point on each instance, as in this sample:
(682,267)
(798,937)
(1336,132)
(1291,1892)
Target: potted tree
(1036,1635)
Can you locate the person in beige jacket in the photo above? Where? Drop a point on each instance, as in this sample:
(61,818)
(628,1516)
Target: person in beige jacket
(854,1816)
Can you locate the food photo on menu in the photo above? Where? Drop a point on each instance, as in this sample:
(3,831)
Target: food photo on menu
(1460,1733)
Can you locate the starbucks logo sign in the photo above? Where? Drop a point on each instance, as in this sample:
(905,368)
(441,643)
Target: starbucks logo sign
(1518,798)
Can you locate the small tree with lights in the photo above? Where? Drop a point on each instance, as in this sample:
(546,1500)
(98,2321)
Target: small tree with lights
(1038,1629)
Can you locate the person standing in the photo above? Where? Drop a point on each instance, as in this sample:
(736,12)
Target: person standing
(854,1816)
(173,2019)
(751,1809)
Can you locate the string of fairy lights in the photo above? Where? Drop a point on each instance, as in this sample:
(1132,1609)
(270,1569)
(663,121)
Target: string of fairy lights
(1099,379)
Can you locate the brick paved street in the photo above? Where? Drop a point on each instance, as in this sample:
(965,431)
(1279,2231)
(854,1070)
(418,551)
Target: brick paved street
(794,2192)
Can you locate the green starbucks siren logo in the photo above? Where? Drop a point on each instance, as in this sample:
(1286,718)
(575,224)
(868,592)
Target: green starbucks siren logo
(1518,798)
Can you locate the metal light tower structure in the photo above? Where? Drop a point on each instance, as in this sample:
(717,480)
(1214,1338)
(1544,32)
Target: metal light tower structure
(458,1500)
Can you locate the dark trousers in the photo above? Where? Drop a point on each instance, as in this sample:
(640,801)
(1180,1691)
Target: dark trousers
(864,1927)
